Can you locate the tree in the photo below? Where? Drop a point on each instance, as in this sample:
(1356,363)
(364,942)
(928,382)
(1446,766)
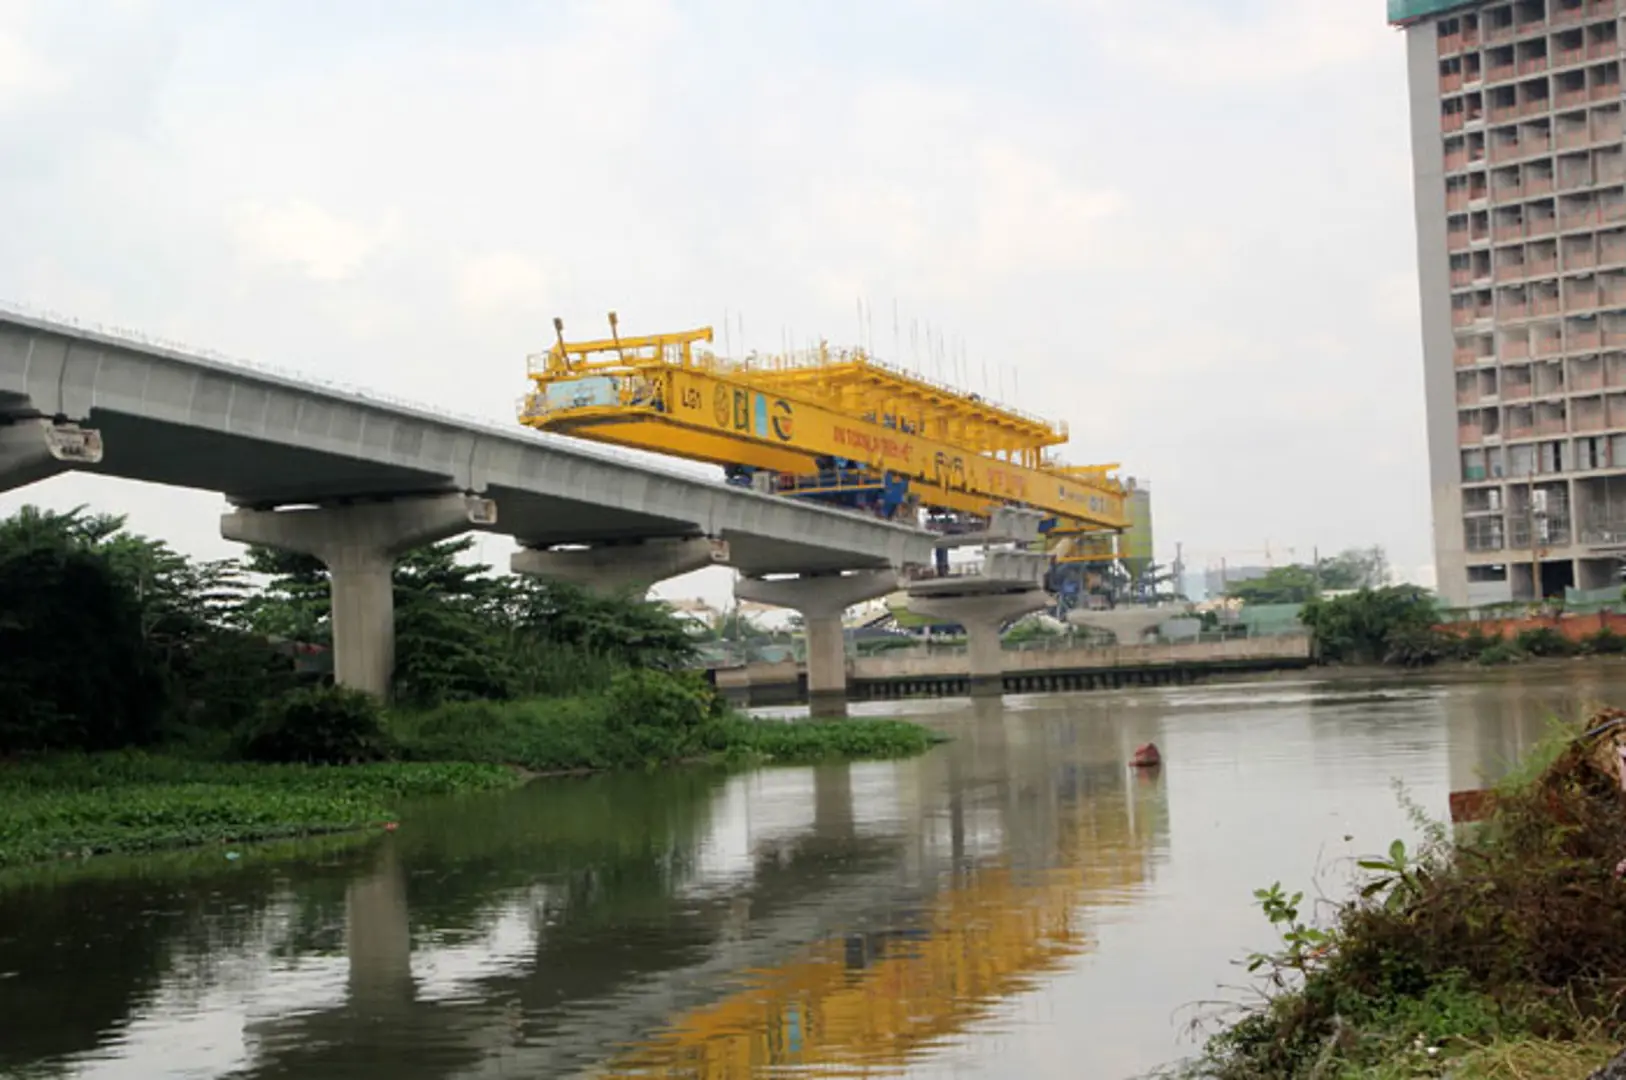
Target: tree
(77,672)
(1356,568)
(1395,623)
(1291,584)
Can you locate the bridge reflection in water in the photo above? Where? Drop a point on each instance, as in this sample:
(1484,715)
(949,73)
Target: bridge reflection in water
(855,1005)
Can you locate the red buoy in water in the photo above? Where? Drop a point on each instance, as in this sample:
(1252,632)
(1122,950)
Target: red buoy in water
(1146,757)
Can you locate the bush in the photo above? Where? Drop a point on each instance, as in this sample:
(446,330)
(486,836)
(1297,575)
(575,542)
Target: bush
(1544,641)
(1604,643)
(329,725)
(1500,653)
(1470,645)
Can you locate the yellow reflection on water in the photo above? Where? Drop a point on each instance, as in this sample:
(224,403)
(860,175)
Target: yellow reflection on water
(871,1003)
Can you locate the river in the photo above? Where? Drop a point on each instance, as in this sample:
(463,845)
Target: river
(1016,903)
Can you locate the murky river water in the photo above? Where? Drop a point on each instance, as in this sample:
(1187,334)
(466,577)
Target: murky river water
(1014,904)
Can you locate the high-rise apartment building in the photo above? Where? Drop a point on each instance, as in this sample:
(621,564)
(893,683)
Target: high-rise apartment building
(1520,172)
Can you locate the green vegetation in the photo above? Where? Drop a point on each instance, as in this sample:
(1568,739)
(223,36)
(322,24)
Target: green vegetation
(1401,625)
(116,644)
(1298,583)
(131,801)
(1503,954)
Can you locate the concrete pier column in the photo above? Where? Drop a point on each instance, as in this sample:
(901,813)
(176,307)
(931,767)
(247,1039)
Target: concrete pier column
(983,615)
(821,599)
(359,543)
(34,449)
(623,568)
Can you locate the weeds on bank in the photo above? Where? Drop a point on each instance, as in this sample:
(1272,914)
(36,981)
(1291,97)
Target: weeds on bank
(1501,955)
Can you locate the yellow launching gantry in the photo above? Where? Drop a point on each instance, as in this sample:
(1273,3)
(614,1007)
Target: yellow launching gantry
(836,426)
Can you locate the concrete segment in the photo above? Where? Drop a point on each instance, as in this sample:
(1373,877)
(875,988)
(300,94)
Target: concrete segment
(33,449)
(983,616)
(1127,625)
(617,569)
(359,544)
(821,599)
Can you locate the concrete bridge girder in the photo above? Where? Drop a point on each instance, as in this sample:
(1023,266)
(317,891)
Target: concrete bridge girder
(359,544)
(622,569)
(821,599)
(1127,625)
(34,448)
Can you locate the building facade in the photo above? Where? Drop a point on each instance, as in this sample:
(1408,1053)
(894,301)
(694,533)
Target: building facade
(1520,173)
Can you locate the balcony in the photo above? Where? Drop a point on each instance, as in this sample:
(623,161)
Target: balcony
(1462,276)
(1566,57)
(1463,356)
(1508,232)
(1461,317)
(1456,161)
(1585,340)
(1573,138)
(1511,311)
(1468,435)
(1541,267)
(1510,272)
(1450,44)
(1567,98)
(1609,91)
(1544,305)
(1456,200)
(1549,346)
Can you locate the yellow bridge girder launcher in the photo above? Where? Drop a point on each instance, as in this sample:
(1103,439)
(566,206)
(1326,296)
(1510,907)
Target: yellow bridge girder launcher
(835,425)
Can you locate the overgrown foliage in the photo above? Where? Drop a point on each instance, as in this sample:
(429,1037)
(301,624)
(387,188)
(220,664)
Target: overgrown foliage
(1504,945)
(87,804)
(113,639)
(325,725)
(1394,624)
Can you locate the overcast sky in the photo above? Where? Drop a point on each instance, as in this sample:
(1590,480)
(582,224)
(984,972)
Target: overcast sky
(1184,228)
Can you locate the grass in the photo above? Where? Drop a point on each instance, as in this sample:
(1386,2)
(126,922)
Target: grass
(639,722)
(83,805)
(1502,955)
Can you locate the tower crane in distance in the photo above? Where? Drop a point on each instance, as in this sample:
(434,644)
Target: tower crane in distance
(835,426)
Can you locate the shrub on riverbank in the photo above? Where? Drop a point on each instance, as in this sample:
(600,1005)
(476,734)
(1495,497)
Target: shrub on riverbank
(89,804)
(643,718)
(1516,933)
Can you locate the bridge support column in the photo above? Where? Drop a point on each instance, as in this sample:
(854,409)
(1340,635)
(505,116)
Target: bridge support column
(983,615)
(33,449)
(359,544)
(821,598)
(621,569)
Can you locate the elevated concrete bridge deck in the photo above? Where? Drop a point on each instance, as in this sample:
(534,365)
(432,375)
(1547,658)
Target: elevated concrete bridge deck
(265,440)
(356,481)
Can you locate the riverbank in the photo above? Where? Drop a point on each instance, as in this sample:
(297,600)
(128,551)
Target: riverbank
(76,806)
(1499,954)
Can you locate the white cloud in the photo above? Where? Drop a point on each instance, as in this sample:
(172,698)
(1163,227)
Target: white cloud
(25,74)
(1201,43)
(301,235)
(499,280)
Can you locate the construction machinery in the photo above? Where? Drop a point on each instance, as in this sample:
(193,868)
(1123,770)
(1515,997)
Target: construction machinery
(835,426)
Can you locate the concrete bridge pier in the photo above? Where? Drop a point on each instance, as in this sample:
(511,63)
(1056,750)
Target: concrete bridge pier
(983,615)
(33,449)
(359,543)
(618,569)
(821,599)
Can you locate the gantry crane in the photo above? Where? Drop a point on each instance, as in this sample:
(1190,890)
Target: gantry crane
(836,426)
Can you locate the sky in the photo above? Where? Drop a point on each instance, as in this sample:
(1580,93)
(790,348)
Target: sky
(1183,228)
